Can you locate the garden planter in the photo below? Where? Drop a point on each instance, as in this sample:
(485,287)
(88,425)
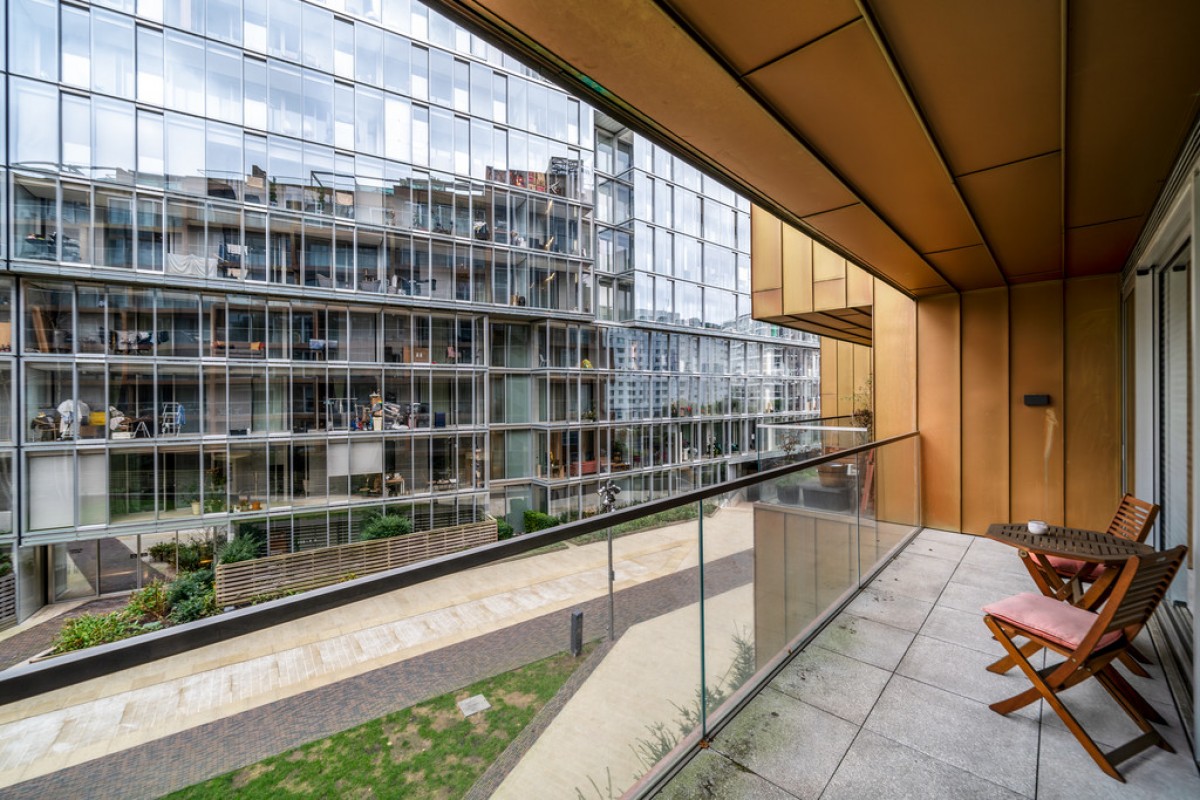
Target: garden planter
(789,495)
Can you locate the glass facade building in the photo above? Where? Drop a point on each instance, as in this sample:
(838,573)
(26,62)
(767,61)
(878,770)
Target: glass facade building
(274,265)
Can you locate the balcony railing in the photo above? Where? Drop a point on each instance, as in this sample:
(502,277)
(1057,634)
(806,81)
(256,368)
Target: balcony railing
(702,594)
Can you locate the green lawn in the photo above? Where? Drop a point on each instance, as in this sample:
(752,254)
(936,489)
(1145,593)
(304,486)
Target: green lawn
(427,751)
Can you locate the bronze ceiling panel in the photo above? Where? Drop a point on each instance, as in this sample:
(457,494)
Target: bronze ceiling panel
(842,97)
(646,61)
(1019,206)
(751,34)
(967,267)
(1130,65)
(986,75)
(827,137)
(872,243)
(1099,249)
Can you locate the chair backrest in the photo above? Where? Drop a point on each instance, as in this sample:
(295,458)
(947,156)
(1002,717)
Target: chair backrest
(1134,519)
(1140,588)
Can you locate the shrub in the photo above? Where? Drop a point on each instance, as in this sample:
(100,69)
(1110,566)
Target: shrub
(240,548)
(503,530)
(194,607)
(537,521)
(89,630)
(5,565)
(385,526)
(163,551)
(192,596)
(148,604)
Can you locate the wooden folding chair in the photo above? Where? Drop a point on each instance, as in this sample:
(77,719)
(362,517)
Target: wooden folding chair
(1133,521)
(1090,641)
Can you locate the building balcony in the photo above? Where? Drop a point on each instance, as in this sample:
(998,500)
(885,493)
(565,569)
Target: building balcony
(891,700)
(764,642)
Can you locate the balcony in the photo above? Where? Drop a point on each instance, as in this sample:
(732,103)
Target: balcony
(890,700)
(864,628)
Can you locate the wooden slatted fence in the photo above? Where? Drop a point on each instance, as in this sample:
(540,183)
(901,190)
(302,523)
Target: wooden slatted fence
(8,600)
(311,569)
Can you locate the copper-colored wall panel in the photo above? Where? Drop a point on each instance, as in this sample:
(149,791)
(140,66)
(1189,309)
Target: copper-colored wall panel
(844,99)
(767,304)
(1092,425)
(766,250)
(895,345)
(862,379)
(939,412)
(827,265)
(1018,210)
(985,484)
(1036,356)
(987,75)
(859,286)
(894,385)
(797,271)
(829,295)
(845,379)
(829,376)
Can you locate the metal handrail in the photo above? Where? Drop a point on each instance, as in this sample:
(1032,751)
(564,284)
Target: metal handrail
(71,668)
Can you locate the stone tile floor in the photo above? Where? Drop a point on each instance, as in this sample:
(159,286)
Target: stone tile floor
(891,701)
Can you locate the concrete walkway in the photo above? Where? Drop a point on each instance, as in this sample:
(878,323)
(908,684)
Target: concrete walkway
(219,684)
(890,701)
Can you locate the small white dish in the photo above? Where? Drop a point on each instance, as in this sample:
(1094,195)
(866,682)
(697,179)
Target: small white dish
(1037,527)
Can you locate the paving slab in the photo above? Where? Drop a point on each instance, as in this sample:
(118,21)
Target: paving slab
(865,640)
(963,671)
(961,732)
(877,767)
(710,775)
(843,686)
(886,606)
(794,745)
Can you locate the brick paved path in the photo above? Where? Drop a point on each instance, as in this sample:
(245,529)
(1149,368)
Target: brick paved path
(28,643)
(182,759)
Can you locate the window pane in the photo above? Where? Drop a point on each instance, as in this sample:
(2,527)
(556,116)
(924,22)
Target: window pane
(150,66)
(76,46)
(184,66)
(33,132)
(114,136)
(33,38)
(112,54)
(318,38)
(224,84)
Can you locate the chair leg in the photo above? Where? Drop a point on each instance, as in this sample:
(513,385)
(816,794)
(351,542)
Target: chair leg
(1006,663)
(1132,665)
(1082,737)
(1112,680)
(1139,655)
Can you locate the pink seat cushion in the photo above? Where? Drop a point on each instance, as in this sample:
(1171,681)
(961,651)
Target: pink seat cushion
(1054,620)
(1069,568)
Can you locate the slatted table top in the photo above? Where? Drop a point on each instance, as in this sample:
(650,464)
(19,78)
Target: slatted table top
(1078,543)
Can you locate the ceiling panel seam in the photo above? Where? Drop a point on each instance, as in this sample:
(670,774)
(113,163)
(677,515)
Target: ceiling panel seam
(1013,163)
(885,48)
